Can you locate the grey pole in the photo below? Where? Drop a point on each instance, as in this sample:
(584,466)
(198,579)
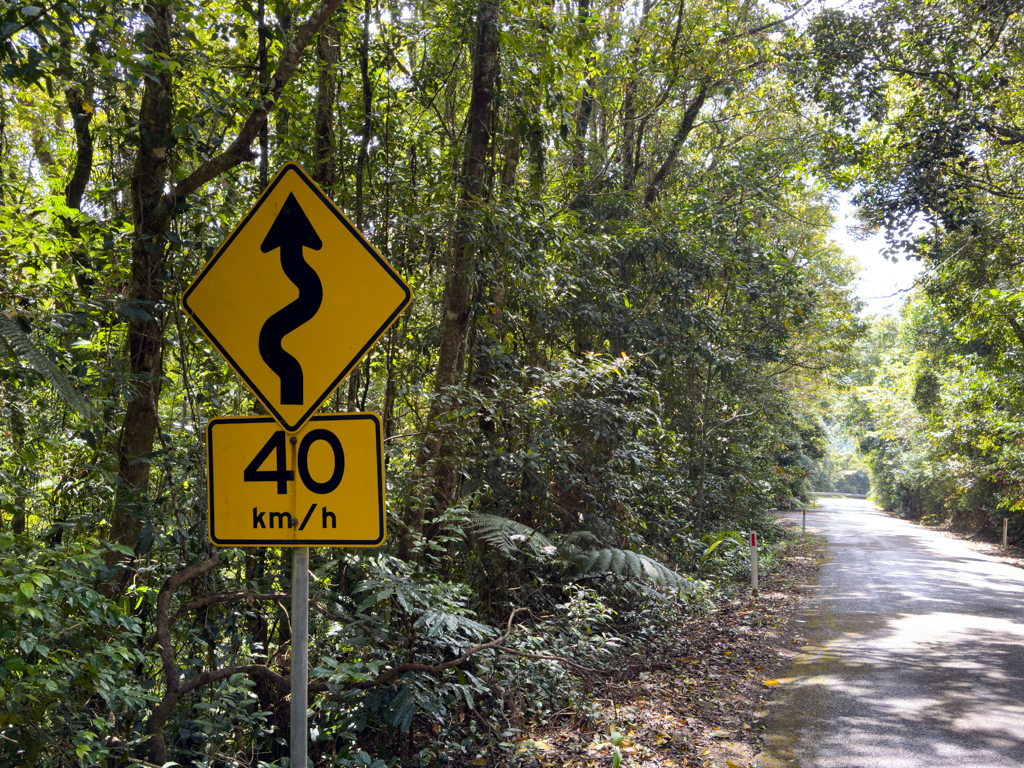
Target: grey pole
(803,529)
(300,654)
(1005,521)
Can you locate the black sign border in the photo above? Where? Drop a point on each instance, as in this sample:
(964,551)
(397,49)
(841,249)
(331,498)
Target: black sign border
(324,417)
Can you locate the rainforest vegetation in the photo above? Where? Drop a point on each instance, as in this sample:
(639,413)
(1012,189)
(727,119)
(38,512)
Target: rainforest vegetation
(630,337)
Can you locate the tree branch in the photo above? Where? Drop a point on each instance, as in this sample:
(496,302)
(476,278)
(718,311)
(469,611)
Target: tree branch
(158,717)
(547,657)
(227,597)
(1015,326)
(216,675)
(163,622)
(240,149)
(1004,135)
(685,127)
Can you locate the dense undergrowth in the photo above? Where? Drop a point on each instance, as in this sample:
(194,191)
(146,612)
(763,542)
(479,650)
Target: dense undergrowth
(78,655)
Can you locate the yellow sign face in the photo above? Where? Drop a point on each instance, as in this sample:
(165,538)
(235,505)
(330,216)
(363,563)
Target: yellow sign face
(295,297)
(321,487)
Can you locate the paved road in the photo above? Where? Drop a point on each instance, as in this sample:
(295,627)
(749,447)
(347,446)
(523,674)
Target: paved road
(914,653)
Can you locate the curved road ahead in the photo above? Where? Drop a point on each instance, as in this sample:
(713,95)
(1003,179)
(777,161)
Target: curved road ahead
(914,653)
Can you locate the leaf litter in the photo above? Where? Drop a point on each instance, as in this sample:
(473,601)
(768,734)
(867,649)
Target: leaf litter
(693,698)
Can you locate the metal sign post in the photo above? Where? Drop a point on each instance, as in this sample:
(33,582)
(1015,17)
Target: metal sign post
(300,655)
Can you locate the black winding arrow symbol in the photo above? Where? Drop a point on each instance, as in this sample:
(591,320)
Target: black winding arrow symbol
(291,232)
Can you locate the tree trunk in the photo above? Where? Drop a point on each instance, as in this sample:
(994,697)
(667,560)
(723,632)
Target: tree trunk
(284,18)
(629,167)
(324,155)
(81,108)
(152,206)
(512,154)
(18,444)
(150,217)
(354,382)
(703,467)
(355,378)
(458,288)
(683,132)
(630,141)
(459,277)
(262,67)
(367,130)
(585,108)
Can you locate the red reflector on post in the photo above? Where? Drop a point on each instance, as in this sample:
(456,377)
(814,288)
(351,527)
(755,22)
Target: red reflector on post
(753,539)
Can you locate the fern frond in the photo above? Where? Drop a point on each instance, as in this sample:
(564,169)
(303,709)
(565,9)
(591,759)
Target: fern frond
(617,564)
(511,537)
(406,592)
(435,623)
(599,562)
(23,346)
(628,565)
(650,569)
(634,565)
(577,538)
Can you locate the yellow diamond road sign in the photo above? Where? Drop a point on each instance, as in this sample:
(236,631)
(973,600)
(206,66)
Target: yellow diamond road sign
(323,486)
(295,297)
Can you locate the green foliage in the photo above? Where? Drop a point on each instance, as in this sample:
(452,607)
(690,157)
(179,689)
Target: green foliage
(925,99)
(921,105)
(853,481)
(21,344)
(656,327)
(569,555)
(939,423)
(69,654)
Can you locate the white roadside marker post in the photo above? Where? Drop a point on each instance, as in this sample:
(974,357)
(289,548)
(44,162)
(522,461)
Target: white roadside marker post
(753,561)
(803,529)
(1005,521)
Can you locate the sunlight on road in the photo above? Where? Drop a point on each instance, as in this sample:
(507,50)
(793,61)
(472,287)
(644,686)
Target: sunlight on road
(915,652)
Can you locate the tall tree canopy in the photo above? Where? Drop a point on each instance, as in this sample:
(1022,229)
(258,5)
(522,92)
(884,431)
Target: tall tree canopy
(920,102)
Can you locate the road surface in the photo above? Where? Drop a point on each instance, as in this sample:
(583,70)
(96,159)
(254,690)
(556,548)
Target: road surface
(912,653)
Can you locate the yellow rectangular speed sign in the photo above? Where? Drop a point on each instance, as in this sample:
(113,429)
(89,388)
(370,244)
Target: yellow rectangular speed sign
(320,487)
